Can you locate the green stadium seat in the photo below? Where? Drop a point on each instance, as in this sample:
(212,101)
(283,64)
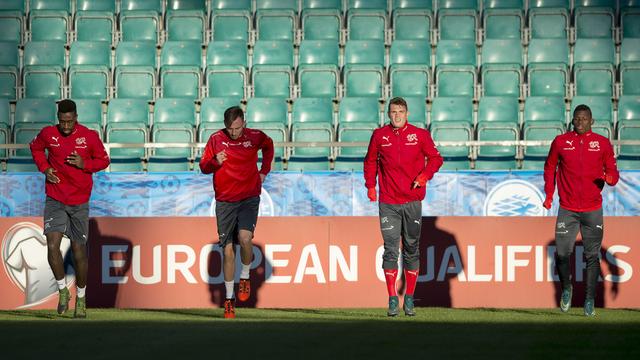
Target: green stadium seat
(94,26)
(21,164)
(493,157)
(630,23)
(591,3)
(594,22)
(321,4)
(175,110)
(366,24)
(321,24)
(46,53)
(36,111)
(273,52)
(499,109)
(152,5)
(366,4)
(307,163)
(364,52)
(267,110)
(5,121)
(180,63)
(272,81)
(456,52)
(212,115)
(277,4)
(217,5)
(11,26)
(603,128)
(319,52)
(62,5)
(410,52)
(318,80)
(159,163)
(89,69)
(545,23)
(563,4)
(456,80)
(140,25)
(41,81)
(535,155)
(503,4)
(227,53)
(351,158)
(630,50)
(548,51)
(417,109)
(127,133)
(413,24)
(15,5)
(503,23)
(409,80)
(548,79)
(458,4)
(312,118)
(600,50)
(90,113)
(412,4)
(452,109)
(24,133)
(359,110)
(172,133)
(501,51)
(593,79)
(186,25)
(545,109)
(229,25)
(455,157)
(90,53)
(628,108)
(226,81)
(48,25)
(601,107)
(134,113)
(457,24)
(136,53)
(275,24)
(363,80)
(9,70)
(630,79)
(200,5)
(501,80)
(95,5)
(629,155)
(135,82)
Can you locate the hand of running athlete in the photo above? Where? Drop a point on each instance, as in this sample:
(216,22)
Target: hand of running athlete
(262,177)
(420,181)
(608,179)
(51,177)
(547,203)
(221,157)
(372,195)
(76,160)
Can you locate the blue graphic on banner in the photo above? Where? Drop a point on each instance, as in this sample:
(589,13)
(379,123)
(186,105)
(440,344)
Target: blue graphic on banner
(323,193)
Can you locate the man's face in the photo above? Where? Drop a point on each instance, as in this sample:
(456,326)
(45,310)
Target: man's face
(582,122)
(398,115)
(235,130)
(67,122)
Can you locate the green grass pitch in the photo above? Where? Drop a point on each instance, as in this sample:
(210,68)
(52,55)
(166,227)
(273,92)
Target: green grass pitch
(435,333)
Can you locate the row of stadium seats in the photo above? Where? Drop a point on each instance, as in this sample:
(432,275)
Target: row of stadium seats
(318,24)
(184,69)
(314,119)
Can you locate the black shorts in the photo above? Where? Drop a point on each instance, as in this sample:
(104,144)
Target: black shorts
(234,216)
(71,220)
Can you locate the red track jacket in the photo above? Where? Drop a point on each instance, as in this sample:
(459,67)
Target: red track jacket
(582,161)
(238,177)
(75,184)
(397,157)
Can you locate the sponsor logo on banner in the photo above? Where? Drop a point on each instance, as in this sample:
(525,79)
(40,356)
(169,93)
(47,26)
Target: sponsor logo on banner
(266,205)
(24,256)
(514,198)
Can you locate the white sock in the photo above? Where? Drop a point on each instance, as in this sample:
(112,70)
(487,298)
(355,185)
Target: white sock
(229,287)
(61,284)
(80,291)
(244,274)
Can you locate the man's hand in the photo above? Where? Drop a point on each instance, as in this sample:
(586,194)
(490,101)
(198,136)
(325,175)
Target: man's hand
(51,177)
(608,179)
(221,157)
(547,203)
(262,177)
(76,160)
(371,193)
(420,181)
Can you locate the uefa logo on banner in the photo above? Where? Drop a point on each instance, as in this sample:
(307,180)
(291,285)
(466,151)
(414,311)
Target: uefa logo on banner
(24,256)
(514,198)
(266,205)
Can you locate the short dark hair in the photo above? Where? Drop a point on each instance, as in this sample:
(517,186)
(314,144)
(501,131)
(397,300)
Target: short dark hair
(398,101)
(231,114)
(582,107)
(66,106)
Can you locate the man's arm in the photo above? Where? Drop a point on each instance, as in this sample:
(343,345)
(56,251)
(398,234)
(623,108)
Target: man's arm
(99,159)
(208,163)
(38,146)
(434,161)
(267,156)
(611,174)
(550,166)
(371,163)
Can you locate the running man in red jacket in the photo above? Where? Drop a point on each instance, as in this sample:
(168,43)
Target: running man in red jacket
(581,162)
(403,158)
(231,155)
(74,154)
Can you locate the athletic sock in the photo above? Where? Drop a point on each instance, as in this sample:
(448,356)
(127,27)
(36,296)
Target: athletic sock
(80,291)
(410,277)
(244,274)
(229,287)
(390,276)
(61,284)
